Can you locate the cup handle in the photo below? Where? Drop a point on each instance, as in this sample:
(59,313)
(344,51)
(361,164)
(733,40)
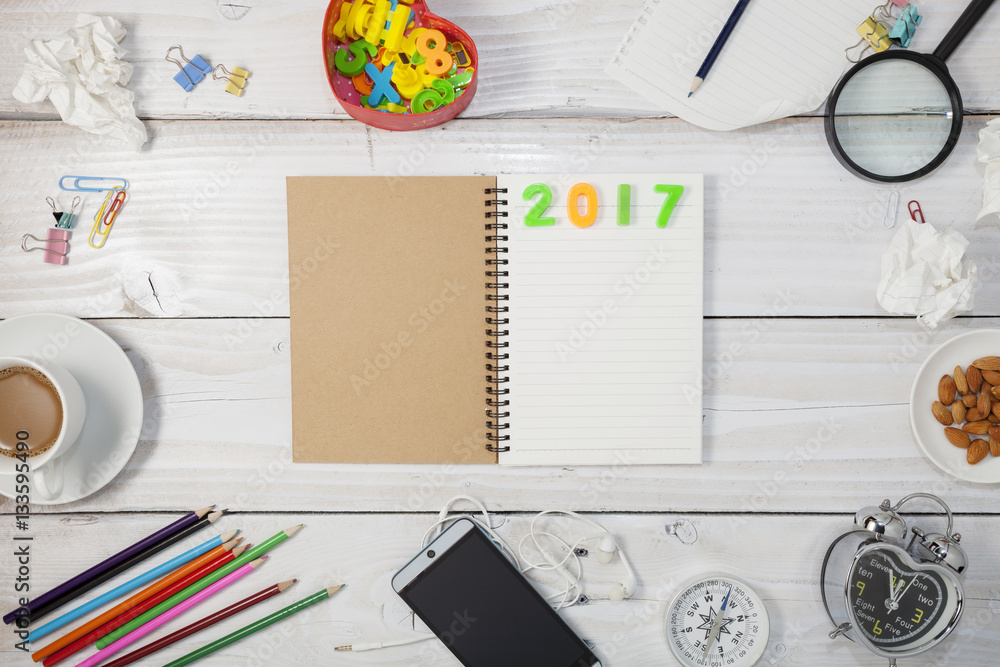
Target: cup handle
(49,479)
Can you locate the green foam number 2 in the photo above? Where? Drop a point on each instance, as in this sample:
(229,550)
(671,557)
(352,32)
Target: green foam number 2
(674,193)
(533,218)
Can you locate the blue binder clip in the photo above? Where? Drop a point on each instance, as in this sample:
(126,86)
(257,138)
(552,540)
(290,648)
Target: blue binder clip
(191,73)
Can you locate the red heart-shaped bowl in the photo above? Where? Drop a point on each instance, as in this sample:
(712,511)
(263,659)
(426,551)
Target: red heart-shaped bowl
(343,88)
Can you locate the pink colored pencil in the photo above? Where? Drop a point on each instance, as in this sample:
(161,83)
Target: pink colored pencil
(169,615)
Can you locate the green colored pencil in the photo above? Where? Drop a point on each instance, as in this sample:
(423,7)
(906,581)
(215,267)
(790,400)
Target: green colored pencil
(254,627)
(197,586)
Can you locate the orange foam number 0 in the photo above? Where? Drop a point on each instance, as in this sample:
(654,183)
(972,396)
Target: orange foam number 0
(431,45)
(533,218)
(674,193)
(587,191)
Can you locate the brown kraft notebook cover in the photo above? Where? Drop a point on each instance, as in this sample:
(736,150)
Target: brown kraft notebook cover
(389,339)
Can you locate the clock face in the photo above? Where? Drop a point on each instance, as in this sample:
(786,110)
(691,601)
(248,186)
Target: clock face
(717,622)
(898,605)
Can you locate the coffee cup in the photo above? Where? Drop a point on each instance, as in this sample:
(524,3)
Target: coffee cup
(42,410)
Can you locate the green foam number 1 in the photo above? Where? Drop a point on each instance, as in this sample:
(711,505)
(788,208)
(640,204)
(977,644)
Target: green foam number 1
(533,218)
(624,204)
(674,193)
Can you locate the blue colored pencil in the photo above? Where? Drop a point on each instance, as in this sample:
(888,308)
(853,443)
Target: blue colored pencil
(720,42)
(132,584)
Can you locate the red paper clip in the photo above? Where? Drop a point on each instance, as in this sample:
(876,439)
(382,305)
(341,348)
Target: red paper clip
(915,213)
(106,217)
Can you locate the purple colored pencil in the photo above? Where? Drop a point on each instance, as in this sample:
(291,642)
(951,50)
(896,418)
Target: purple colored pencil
(83,577)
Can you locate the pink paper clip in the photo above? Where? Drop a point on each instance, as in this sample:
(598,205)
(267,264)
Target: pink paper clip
(56,245)
(915,213)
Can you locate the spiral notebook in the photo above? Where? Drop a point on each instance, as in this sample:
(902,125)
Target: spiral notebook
(524,320)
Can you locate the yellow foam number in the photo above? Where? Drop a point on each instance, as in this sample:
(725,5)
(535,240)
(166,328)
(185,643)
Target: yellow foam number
(587,191)
(533,218)
(876,629)
(861,588)
(373,33)
(340,27)
(397,25)
(919,617)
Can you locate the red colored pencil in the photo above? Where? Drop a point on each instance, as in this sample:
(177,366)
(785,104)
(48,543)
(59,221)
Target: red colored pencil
(135,612)
(198,626)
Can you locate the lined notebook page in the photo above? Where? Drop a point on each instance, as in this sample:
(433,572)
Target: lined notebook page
(783,58)
(605,325)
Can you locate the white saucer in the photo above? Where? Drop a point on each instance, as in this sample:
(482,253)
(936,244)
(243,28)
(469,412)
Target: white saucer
(959,351)
(109,383)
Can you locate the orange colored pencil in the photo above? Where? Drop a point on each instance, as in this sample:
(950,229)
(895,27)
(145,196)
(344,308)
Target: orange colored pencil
(135,600)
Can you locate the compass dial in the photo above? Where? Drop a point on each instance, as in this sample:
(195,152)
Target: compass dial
(718,621)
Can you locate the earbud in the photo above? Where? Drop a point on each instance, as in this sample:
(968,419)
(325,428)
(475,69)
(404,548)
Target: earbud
(624,589)
(606,549)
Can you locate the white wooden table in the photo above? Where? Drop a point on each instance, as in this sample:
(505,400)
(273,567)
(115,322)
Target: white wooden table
(796,347)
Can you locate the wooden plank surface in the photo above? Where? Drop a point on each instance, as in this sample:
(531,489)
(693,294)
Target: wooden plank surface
(779,555)
(538,59)
(204,231)
(799,415)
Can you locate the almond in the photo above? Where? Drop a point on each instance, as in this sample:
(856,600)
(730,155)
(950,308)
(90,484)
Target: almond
(994,446)
(995,391)
(992,418)
(995,432)
(969,400)
(984,403)
(973,377)
(957,437)
(978,449)
(958,411)
(996,409)
(943,414)
(977,428)
(987,363)
(985,387)
(992,377)
(960,382)
(946,389)
(973,415)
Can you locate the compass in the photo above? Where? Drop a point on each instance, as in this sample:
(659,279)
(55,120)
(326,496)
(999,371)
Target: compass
(717,621)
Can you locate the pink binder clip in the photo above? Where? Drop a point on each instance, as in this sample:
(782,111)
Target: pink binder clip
(55,245)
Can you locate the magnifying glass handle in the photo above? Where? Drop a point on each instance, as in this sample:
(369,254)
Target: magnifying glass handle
(962,27)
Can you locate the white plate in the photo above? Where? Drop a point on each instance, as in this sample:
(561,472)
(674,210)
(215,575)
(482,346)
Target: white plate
(109,383)
(959,351)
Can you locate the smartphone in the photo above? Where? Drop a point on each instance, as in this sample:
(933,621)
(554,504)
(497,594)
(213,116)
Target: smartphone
(485,611)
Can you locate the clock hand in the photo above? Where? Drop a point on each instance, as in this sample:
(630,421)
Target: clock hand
(899,596)
(717,624)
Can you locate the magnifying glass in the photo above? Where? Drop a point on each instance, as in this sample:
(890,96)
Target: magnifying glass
(896,115)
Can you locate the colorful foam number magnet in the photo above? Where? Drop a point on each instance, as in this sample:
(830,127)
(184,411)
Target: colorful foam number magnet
(340,27)
(432,45)
(358,8)
(381,85)
(438,95)
(407,80)
(461,57)
(461,81)
(351,61)
(410,42)
(376,24)
(875,34)
(397,26)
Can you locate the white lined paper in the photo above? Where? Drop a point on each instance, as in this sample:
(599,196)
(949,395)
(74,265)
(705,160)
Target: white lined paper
(783,58)
(589,384)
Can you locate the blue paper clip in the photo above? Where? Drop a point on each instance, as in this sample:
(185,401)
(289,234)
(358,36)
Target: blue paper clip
(192,73)
(76,187)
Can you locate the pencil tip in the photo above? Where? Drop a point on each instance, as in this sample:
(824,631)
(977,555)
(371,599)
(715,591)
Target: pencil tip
(294,529)
(285,584)
(257,563)
(695,85)
(333,589)
(690,94)
(228,535)
(204,510)
(214,516)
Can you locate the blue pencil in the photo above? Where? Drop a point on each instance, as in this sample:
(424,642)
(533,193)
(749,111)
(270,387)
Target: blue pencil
(142,579)
(720,42)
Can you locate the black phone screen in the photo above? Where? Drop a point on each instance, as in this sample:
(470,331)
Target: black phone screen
(488,614)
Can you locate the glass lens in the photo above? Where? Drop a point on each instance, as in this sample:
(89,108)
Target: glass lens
(893,117)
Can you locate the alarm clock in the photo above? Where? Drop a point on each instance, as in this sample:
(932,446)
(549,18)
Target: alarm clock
(897,598)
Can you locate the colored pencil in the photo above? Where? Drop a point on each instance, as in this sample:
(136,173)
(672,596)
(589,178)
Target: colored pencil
(720,42)
(254,627)
(132,584)
(107,564)
(173,613)
(198,626)
(124,566)
(149,597)
(250,555)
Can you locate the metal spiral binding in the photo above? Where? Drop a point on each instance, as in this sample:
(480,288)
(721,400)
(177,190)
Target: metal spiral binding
(496,321)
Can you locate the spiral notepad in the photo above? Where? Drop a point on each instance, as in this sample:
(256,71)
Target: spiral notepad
(525,320)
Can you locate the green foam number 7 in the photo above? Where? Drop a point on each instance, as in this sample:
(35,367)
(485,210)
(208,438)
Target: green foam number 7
(533,218)
(674,193)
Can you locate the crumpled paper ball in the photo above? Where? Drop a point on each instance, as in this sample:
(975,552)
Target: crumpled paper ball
(83,73)
(989,154)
